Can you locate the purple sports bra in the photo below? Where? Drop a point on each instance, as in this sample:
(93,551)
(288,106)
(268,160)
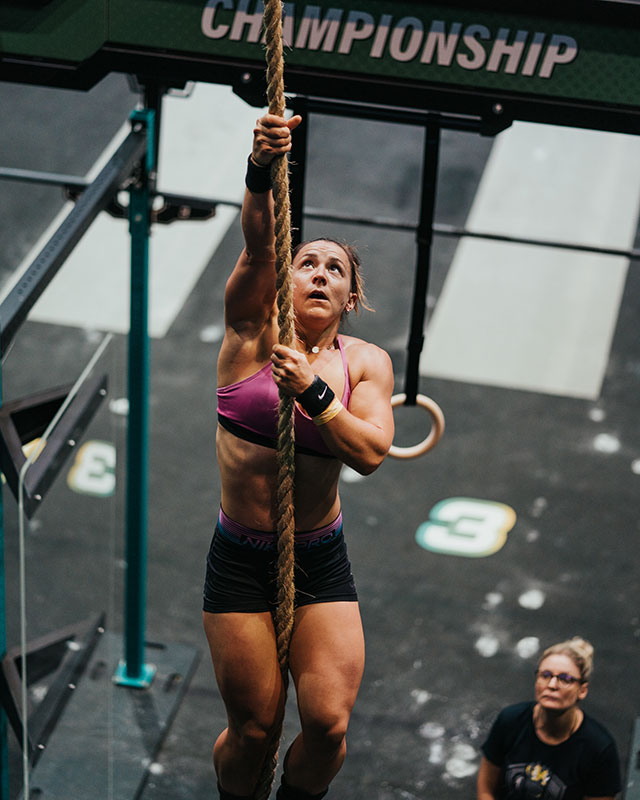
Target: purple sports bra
(249,410)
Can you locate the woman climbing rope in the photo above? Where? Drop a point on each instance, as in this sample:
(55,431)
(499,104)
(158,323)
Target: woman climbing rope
(343,415)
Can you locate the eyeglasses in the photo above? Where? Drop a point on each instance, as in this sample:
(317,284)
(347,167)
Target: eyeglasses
(564,679)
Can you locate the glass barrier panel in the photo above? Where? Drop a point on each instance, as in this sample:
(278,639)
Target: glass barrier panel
(64,563)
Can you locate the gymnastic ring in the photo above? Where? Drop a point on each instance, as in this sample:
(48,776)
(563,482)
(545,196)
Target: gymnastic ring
(437,427)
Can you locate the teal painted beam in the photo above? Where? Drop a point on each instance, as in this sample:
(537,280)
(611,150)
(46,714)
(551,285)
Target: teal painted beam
(132,671)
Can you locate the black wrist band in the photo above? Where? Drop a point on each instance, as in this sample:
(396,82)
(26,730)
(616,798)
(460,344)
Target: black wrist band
(316,398)
(258,178)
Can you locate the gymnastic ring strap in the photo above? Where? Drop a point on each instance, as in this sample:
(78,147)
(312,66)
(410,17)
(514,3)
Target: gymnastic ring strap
(437,427)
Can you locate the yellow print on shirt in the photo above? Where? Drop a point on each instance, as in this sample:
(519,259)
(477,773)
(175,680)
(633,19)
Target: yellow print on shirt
(537,774)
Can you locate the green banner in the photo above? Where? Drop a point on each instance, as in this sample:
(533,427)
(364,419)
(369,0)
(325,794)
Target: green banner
(67,30)
(413,43)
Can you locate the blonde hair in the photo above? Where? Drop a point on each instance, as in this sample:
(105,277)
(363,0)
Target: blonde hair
(579,650)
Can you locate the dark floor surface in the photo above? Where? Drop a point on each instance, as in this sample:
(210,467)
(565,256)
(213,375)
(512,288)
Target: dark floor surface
(431,687)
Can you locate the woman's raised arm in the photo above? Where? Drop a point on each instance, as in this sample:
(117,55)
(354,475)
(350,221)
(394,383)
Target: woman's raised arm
(250,290)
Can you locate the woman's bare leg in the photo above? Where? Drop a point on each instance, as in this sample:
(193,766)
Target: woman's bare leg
(326,662)
(245,662)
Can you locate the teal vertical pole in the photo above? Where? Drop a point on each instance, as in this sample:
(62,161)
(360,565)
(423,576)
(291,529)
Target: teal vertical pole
(133,671)
(4,745)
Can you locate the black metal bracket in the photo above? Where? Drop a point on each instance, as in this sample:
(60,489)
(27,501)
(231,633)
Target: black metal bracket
(23,420)
(64,654)
(171,208)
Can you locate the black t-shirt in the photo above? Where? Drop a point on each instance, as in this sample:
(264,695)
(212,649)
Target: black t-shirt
(586,764)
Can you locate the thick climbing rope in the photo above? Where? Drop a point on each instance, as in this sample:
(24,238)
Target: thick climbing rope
(283,616)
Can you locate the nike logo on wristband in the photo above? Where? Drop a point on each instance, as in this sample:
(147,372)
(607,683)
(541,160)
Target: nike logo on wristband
(324,391)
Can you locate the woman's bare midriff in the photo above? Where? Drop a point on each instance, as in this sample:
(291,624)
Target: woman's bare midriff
(249,479)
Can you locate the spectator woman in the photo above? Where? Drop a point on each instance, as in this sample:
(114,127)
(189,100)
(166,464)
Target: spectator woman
(550,749)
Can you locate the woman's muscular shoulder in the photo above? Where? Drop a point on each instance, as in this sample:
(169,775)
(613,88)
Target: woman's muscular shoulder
(365,358)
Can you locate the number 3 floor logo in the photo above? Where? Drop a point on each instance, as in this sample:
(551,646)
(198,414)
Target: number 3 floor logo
(93,471)
(464,526)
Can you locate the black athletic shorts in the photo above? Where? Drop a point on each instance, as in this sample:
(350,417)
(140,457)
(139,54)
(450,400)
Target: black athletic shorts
(241,578)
